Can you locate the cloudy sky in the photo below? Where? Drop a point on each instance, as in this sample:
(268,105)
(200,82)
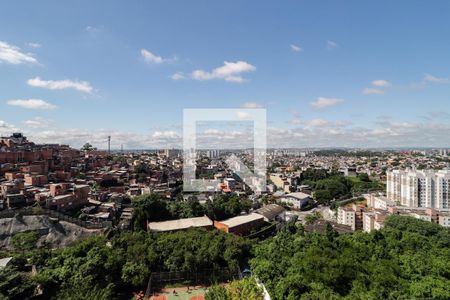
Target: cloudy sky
(329,73)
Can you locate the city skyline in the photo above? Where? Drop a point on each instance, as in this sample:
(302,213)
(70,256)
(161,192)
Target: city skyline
(127,71)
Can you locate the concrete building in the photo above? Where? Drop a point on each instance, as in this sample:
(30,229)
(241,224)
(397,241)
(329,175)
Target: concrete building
(241,225)
(169,153)
(296,200)
(444,219)
(442,193)
(346,216)
(272,212)
(67,196)
(280,181)
(378,201)
(373,220)
(414,188)
(180,224)
(213,154)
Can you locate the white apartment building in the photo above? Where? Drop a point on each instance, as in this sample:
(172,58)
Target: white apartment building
(442,189)
(212,154)
(368,221)
(378,201)
(346,216)
(444,220)
(414,188)
(420,216)
(373,220)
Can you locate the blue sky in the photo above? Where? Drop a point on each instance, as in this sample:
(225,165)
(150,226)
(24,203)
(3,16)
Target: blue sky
(329,73)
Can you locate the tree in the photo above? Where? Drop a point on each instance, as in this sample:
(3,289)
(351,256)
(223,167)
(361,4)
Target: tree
(154,207)
(88,147)
(24,241)
(226,206)
(364,177)
(216,292)
(407,259)
(245,289)
(311,218)
(15,284)
(236,290)
(322,197)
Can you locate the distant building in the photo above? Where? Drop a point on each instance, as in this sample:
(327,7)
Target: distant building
(444,219)
(280,181)
(373,220)
(378,201)
(241,225)
(67,196)
(346,216)
(169,153)
(272,212)
(296,200)
(180,224)
(213,154)
(414,188)
(349,171)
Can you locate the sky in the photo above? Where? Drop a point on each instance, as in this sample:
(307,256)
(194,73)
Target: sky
(329,73)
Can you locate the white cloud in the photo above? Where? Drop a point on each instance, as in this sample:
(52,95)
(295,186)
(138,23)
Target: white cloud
(296,121)
(13,55)
(211,132)
(230,71)
(380,86)
(332,45)
(82,86)
(242,115)
(178,76)
(296,48)
(322,102)
(4,124)
(316,123)
(371,91)
(221,134)
(31,104)
(34,45)
(312,133)
(37,122)
(93,30)
(381,83)
(165,134)
(251,105)
(433,79)
(152,58)
(7,129)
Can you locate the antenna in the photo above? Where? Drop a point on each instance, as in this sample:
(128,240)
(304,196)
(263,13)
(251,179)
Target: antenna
(109,144)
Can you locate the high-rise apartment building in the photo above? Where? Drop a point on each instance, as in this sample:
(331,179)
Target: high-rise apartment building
(415,188)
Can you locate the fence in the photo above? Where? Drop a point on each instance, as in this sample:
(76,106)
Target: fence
(29,211)
(264,232)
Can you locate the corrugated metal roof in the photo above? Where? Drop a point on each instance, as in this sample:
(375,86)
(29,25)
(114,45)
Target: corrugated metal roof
(180,224)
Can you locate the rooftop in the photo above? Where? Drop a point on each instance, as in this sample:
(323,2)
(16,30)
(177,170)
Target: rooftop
(180,224)
(298,195)
(239,220)
(270,211)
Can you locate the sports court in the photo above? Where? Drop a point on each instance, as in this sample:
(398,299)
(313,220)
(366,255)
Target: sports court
(180,293)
